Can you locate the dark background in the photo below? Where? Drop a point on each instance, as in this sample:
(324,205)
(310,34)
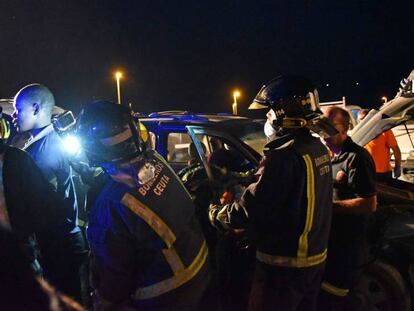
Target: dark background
(192,54)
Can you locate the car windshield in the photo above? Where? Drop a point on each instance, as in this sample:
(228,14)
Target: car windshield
(253,135)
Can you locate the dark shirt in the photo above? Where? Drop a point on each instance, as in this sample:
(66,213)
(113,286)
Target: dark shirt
(354,177)
(49,154)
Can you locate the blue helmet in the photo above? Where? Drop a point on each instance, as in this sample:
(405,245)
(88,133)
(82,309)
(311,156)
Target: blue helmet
(108,133)
(294,100)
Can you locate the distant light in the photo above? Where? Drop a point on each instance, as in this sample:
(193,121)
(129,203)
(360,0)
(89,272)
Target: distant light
(356,83)
(71,145)
(384,98)
(327,84)
(118,75)
(236,93)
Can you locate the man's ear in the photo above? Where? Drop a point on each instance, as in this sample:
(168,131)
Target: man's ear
(36,108)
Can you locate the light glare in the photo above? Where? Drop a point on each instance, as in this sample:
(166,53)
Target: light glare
(71,145)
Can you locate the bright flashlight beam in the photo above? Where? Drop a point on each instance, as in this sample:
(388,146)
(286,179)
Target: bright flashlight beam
(71,145)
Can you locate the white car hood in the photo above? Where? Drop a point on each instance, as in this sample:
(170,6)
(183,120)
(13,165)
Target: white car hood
(395,112)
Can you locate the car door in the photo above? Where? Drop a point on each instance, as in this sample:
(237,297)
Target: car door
(205,136)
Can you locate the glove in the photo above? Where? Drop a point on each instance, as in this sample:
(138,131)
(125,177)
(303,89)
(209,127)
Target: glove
(226,198)
(397,171)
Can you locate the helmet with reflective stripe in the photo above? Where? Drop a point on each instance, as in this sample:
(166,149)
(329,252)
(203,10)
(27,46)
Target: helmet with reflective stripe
(294,100)
(108,133)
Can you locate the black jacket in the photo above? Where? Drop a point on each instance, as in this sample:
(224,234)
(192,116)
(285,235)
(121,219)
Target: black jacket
(32,205)
(287,211)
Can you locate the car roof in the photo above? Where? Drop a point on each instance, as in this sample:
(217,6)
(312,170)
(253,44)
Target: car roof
(184,118)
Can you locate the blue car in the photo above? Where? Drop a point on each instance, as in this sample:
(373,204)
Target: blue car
(172,134)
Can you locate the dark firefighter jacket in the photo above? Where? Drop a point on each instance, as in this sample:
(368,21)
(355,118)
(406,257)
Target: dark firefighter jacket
(32,205)
(287,211)
(146,242)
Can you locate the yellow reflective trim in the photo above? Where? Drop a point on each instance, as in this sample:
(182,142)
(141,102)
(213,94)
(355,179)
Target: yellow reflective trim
(82,223)
(143,132)
(173,260)
(152,219)
(303,240)
(331,289)
(294,262)
(4,129)
(177,280)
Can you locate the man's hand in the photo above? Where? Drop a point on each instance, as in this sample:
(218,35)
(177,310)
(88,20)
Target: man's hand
(397,171)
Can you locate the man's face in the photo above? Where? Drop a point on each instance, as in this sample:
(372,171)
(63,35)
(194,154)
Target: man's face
(24,116)
(338,139)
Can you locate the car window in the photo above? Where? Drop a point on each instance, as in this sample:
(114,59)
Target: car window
(253,135)
(178,144)
(237,162)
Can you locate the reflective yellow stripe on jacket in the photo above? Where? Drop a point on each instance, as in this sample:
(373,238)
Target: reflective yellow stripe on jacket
(177,280)
(152,219)
(302,260)
(293,262)
(332,289)
(310,181)
(182,274)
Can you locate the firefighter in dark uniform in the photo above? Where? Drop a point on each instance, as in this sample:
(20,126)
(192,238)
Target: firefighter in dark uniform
(147,246)
(354,199)
(287,211)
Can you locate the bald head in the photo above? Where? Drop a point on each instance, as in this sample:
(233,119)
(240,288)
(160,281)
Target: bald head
(37,93)
(33,107)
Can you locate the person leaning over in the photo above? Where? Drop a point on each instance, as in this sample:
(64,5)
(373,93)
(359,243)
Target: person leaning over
(148,250)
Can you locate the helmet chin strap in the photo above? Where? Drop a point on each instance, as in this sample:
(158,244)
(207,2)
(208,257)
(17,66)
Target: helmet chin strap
(293,123)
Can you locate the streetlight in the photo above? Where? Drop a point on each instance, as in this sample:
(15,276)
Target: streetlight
(118,76)
(236,94)
(384,98)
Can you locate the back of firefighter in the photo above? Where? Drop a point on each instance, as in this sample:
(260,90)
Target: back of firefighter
(147,247)
(287,211)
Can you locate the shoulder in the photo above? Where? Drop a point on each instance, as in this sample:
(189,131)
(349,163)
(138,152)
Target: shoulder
(360,157)
(16,155)
(362,154)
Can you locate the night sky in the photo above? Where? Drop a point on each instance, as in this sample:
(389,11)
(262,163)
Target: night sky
(191,54)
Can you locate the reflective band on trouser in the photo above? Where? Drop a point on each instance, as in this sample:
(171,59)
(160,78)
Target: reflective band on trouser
(310,181)
(177,280)
(152,219)
(336,291)
(293,262)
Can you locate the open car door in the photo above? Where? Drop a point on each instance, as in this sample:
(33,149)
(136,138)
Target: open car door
(202,135)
